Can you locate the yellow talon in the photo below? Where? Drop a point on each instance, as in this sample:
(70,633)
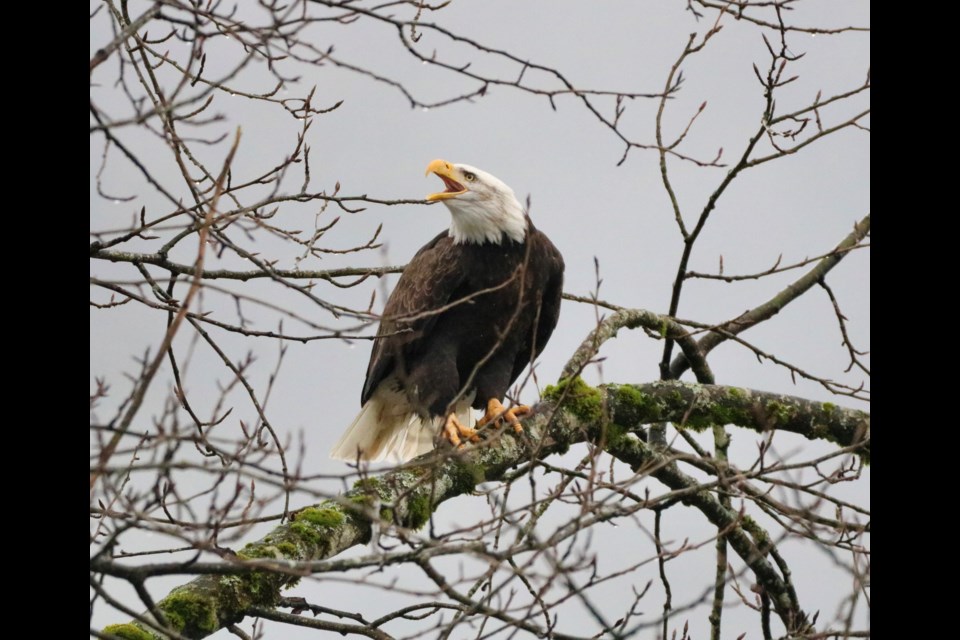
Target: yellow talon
(497,413)
(453,430)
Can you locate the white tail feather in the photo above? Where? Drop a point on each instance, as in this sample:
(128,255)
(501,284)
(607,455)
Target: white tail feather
(387,429)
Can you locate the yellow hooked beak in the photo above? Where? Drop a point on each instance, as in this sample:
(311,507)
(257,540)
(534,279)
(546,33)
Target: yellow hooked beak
(451,179)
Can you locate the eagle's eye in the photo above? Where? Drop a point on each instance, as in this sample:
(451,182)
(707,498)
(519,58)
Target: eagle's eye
(470,177)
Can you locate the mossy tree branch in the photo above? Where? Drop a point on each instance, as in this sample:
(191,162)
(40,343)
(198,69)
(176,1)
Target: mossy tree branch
(569,413)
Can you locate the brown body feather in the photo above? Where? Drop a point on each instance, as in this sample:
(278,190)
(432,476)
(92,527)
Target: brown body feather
(467,317)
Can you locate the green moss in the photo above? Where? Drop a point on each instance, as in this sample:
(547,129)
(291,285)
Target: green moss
(828,407)
(369,485)
(722,414)
(320,517)
(736,392)
(306,532)
(578,397)
(262,586)
(720,411)
(418,511)
(189,613)
(256,550)
(760,537)
(613,434)
(700,420)
(363,500)
(630,396)
(129,632)
(409,477)
(364,507)
(368,491)
(632,406)
(780,413)
(466,476)
(615,430)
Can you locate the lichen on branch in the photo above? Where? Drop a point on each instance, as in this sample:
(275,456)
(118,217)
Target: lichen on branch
(569,413)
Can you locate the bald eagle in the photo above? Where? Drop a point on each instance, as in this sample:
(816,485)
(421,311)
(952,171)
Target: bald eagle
(472,308)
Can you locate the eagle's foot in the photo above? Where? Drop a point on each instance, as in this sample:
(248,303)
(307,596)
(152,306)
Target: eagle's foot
(454,430)
(497,414)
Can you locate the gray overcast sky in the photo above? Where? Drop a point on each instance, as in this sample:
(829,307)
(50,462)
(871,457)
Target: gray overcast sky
(565,160)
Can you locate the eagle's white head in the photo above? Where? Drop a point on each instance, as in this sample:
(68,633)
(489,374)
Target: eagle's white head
(483,208)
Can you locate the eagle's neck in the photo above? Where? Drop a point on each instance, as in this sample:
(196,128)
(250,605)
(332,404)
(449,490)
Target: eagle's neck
(488,221)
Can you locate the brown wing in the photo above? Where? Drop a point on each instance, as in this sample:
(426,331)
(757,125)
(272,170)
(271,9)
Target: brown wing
(545,258)
(427,284)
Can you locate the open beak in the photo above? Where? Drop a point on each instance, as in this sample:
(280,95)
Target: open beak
(450,176)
